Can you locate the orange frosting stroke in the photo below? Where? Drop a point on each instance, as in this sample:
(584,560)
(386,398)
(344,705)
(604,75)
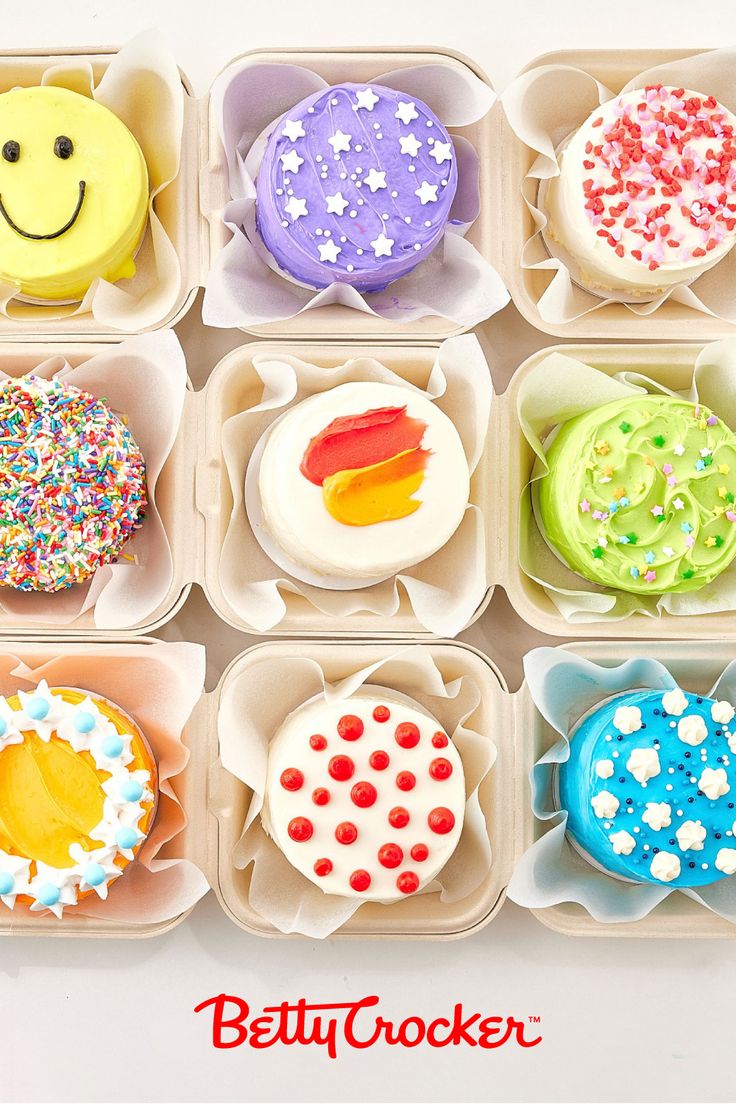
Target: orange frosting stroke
(380,492)
(360,441)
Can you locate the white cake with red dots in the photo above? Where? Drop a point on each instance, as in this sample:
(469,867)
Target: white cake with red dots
(365,796)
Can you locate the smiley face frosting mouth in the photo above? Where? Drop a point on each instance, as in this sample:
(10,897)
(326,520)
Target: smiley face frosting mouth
(56,233)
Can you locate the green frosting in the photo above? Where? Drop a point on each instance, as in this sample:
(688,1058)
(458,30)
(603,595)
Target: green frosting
(640,495)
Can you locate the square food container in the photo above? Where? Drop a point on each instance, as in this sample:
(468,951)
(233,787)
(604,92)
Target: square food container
(670,322)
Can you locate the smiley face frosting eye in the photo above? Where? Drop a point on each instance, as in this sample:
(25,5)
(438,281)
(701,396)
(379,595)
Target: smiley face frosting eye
(63,147)
(11,150)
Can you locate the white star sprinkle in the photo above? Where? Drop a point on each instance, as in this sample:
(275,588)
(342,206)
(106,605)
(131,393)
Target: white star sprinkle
(291,161)
(678,450)
(340,142)
(427,192)
(406,112)
(375,180)
(668,551)
(293,129)
(296,208)
(441,151)
(410,145)
(366,98)
(328,251)
(382,245)
(679,504)
(336,204)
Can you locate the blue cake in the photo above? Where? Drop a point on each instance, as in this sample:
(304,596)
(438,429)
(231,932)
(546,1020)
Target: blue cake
(650,788)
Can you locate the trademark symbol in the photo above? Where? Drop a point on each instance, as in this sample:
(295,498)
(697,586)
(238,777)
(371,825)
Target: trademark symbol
(535,1019)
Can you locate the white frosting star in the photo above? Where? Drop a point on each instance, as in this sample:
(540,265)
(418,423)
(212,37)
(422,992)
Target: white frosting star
(691,835)
(407,112)
(375,180)
(296,208)
(102,857)
(623,843)
(679,504)
(441,151)
(665,866)
(410,144)
(643,763)
(714,783)
(658,815)
(382,245)
(627,719)
(336,204)
(63,880)
(674,702)
(366,98)
(328,251)
(99,749)
(293,129)
(668,551)
(11,732)
(605,805)
(18,869)
(113,786)
(291,161)
(678,450)
(47,724)
(67,727)
(340,142)
(113,819)
(692,730)
(427,192)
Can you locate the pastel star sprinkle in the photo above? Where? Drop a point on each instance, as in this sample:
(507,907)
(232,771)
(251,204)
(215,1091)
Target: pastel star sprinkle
(679,450)
(679,504)
(657,510)
(441,152)
(293,129)
(668,551)
(710,542)
(686,527)
(602,448)
(407,112)
(382,245)
(336,203)
(410,144)
(649,556)
(584,506)
(650,576)
(296,208)
(291,161)
(329,251)
(340,142)
(375,180)
(426,192)
(366,98)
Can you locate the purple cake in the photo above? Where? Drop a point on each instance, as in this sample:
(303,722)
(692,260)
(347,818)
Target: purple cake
(355,187)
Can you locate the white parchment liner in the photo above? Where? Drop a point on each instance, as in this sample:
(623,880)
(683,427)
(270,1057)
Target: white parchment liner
(245,289)
(444,590)
(564,687)
(143,379)
(253,707)
(158,685)
(547,104)
(560,388)
(142,86)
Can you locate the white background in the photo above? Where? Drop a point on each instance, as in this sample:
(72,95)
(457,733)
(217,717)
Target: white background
(639,1020)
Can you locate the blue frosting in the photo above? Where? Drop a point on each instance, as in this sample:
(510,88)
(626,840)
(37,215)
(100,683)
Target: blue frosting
(84,721)
(131,790)
(37,708)
(7,881)
(3,726)
(112,746)
(126,837)
(48,895)
(681,765)
(94,875)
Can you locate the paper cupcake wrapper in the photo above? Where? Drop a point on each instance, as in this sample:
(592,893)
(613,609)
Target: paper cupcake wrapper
(559,389)
(246,724)
(564,687)
(544,107)
(245,288)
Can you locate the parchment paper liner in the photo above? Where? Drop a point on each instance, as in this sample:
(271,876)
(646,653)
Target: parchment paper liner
(144,379)
(142,86)
(564,687)
(444,590)
(245,289)
(250,716)
(560,388)
(158,685)
(545,106)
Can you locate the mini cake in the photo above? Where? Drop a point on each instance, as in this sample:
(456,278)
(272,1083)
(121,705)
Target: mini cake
(77,796)
(646,193)
(355,187)
(640,495)
(363,480)
(72,484)
(650,787)
(366,796)
(73,193)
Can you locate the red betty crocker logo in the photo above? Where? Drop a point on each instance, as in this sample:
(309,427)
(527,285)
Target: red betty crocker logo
(357,1025)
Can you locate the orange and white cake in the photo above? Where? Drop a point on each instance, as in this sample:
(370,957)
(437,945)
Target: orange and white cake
(78,792)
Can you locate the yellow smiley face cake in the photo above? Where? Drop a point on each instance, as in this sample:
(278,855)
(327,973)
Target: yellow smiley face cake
(73,193)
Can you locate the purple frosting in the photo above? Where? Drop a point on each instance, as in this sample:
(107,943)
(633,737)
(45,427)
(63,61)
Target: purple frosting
(355,187)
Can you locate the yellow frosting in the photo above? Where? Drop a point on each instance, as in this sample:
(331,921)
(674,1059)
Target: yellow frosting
(379,492)
(105,176)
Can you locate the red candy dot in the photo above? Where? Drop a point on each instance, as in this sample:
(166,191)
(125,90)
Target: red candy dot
(300,829)
(405,780)
(320,796)
(363,794)
(379,760)
(322,867)
(360,880)
(419,852)
(292,779)
(341,767)
(439,740)
(407,734)
(440,769)
(317,743)
(381,714)
(398,817)
(407,882)
(441,821)
(390,855)
(350,727)
(346,832)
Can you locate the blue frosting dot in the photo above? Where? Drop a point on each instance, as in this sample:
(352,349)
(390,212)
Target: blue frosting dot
(3,726)
(37,709)
(94,875)
(7,881)
(131,790)
(112,746)
(126,837)
(84,721)
(48,895)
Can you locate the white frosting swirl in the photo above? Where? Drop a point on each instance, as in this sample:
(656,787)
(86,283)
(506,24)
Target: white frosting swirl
(665,866)
(643,763)
(623,843)
(604,768)
(691,835)
(726,860)
(692,730)
(658,815)
(674,702)
(627,719)
(605,805)
(722,712)
(714,782)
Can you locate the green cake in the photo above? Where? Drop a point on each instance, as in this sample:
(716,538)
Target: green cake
(640,495)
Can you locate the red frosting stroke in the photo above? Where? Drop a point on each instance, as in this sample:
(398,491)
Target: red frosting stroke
(359,440)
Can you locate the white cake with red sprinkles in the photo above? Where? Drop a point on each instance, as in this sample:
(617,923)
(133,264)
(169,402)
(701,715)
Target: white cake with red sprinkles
(365,796)
(646,194)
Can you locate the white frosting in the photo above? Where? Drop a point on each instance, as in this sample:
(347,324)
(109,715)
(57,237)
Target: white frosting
(643,763)
(19,870)
(674,702)
(605,805)
(722,712)
(604,768)
(691,835)
(692,730)
(714,782)
(665,866)
(627,719)
(658,815)
(294,511)
(622,842)
(726,860)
